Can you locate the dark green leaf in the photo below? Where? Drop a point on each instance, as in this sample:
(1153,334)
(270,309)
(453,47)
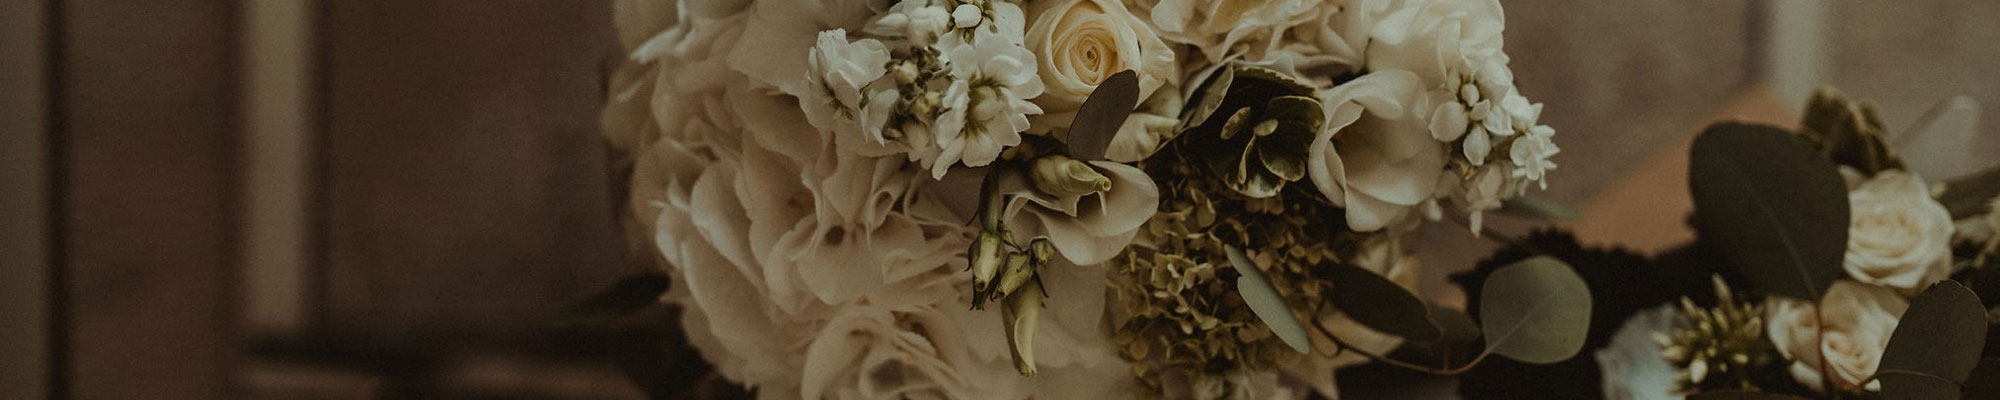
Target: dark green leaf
(623,298)
(1264,301)
(1536,311)
(1739,395)
(1455,326)
(1538,208)
(1969,195)
(1936,345)
(1379,303)
(1773,205)
(1098,119)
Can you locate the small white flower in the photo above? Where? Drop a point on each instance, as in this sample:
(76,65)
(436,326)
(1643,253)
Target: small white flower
(1478,145)
(1448,122)
(986,106)
(1519,110)
(1531,153)
(835,73)
(1898,236)
(926,23)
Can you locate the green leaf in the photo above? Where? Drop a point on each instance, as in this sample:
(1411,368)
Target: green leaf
(1740,395)
(1772,204)
(1935,346)
(623,298)
(1264,301)
(1538,208)
(1379,303)
(1536,311)
(1969,195)
(1098,119)
(1455,325)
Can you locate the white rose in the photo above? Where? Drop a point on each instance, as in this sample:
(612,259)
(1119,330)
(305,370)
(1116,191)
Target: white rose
(1217,27)
(1079,43)
(1898,236)
(1438,38)
(1859,319)
(1375,157)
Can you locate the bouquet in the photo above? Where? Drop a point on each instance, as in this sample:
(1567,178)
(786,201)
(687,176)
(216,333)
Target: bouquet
(1825,266)
(1074,198)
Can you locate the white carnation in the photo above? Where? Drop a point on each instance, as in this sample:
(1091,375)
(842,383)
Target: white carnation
(835,73)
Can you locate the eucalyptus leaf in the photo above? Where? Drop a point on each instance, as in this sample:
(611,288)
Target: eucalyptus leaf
(1536,311)
(1264,301)
(1773,205)
(1970,195)
(627,296)
(1740,395)
(1538,208)
(1098,119)
(1379,303)
(1935,346)
(1454,324)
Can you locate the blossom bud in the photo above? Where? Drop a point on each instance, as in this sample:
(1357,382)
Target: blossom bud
(1062,176)
(965,16)
(1040,251)
(1022,313)
(1020,270)
(905,71)
(986,258)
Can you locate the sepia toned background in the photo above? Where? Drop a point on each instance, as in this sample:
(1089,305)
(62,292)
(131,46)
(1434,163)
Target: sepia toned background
(350,199)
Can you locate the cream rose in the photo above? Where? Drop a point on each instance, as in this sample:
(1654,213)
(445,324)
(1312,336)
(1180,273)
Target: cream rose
(1079,43)
(1898,236)
(1859,319)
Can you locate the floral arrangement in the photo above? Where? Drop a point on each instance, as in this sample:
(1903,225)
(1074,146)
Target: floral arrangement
(1824,268)
(1167,198)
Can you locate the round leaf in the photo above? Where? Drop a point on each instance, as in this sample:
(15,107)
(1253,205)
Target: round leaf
(1536,311)
(1263,300)
(1379,303)
(1936,345)
(1775,207)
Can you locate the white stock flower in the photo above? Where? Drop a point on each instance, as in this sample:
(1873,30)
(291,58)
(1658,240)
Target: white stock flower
(836,71)
(1079,43)
(1859,319)
(777,32)
(1218,27)
(1898,236)
(986,107)
(1375,157)
(1531,153)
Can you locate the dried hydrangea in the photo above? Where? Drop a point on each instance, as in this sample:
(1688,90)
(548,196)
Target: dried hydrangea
(1178,288)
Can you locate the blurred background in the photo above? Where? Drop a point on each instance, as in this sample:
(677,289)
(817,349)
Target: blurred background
(351,199)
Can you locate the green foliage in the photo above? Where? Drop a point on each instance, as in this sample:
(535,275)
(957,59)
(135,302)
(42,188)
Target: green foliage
(1935,346)
(1264,301)
(1098,119)
(1774,207)
(1379,303)
(1848,133)
(1536,311)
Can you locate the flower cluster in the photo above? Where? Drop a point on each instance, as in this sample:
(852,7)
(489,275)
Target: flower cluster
(805,170)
